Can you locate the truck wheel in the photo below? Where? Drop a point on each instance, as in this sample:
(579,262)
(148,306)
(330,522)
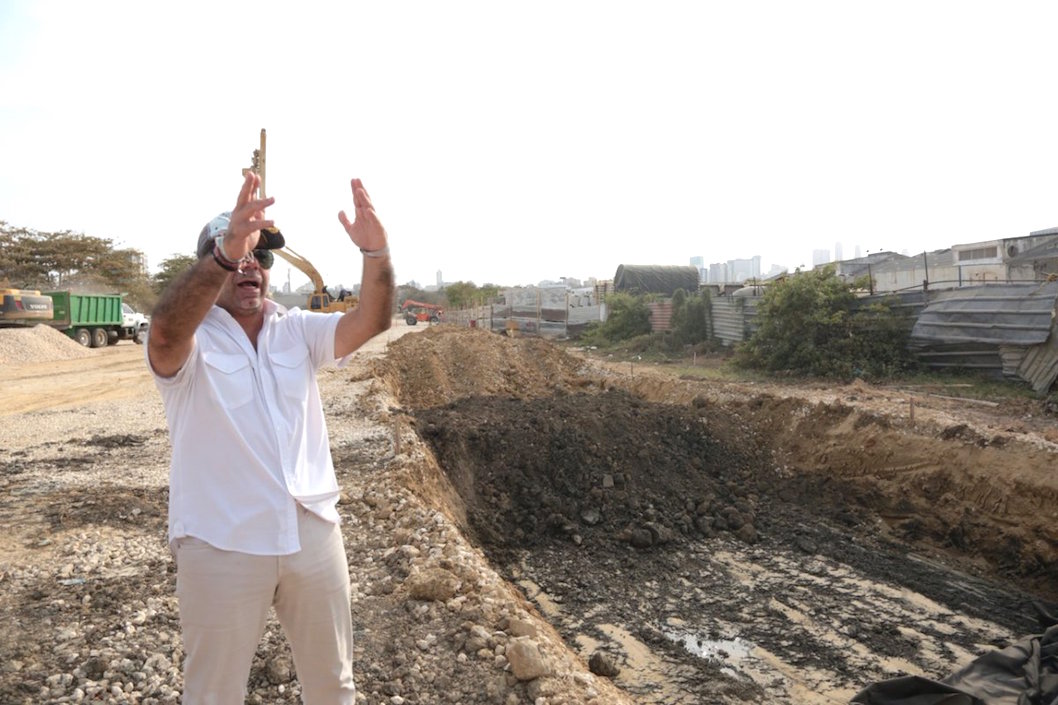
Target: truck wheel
(83,336)
(99,337)
(411,320)
(434,319)
(112,338)
(141,336)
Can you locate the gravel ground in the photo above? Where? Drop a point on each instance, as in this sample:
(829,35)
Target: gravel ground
(87,582)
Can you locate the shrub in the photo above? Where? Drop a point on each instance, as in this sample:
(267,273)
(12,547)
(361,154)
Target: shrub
(811,323)
(627,317)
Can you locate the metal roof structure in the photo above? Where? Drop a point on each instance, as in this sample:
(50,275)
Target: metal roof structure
(1008,327)
(1001,314)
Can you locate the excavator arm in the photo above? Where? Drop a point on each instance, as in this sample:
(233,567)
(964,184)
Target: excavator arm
(320,299)
(304,265)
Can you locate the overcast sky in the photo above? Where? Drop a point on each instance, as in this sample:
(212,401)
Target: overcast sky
(510,143)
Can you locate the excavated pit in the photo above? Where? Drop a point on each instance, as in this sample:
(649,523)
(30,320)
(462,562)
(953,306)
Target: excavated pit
(724,545)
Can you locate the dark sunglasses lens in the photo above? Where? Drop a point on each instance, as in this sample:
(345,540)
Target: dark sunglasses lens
(264,258)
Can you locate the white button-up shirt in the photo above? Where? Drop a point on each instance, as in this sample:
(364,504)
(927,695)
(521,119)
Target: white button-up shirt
(249,439)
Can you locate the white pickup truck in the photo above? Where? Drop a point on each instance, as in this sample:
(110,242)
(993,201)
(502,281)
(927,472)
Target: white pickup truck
(134,324)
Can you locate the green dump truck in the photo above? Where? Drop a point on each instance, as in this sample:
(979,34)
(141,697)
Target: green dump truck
(94,320)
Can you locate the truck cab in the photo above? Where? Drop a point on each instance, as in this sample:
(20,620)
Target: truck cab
(133,323)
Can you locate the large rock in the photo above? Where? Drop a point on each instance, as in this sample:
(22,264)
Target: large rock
(526,660)
(433,584)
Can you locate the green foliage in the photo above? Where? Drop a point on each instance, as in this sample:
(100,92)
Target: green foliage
(170,269)
(38,260)
(811,324)
(467,294)
(627,318)
(691,317)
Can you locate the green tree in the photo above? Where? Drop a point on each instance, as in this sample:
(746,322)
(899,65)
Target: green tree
(32,259)
(169,269)
(467,294)
(487,293)
(691,317)
(627,317)
(811,323)
(18,264)
(65,254)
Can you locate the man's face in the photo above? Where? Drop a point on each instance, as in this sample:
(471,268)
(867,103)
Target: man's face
(244,292)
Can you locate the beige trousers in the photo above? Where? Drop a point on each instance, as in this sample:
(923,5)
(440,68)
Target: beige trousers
(224,600)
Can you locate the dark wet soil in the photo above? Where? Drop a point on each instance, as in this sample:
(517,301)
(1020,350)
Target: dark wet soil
(616,508)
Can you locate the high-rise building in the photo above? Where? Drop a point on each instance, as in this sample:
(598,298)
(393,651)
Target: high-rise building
(699,264)
(742,269)
(717,273)
(837,252)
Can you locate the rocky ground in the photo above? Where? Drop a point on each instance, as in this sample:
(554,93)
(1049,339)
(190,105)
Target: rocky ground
(528,524)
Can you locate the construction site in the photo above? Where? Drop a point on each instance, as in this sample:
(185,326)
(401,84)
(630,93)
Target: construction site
(532,522)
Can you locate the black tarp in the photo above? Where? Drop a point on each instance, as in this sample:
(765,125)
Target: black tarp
(655,279)
(1024,673)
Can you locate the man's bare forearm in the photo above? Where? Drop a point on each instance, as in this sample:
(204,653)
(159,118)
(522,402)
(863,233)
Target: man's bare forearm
(181,308)
(377,293)
(374,312)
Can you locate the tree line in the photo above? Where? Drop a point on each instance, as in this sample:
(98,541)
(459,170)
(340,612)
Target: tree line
(52,261)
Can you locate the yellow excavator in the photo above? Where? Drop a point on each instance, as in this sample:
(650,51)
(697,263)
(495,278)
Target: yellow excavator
(320,299)
(18,306)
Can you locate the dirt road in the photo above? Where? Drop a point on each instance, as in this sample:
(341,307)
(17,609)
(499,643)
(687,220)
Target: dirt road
(715,542)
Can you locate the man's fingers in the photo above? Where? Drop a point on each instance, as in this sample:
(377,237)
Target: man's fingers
(249,226)
(360,197)
(249,185)
(260,204)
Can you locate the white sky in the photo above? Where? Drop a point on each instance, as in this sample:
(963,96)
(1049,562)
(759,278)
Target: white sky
(509,143)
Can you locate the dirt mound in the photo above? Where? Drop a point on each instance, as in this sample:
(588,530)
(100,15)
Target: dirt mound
(587,467)
(445,363)
(38,344)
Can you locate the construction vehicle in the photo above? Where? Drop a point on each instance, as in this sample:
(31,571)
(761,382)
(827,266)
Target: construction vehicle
(24,306)
(93,320)
(415,311)
(320,299)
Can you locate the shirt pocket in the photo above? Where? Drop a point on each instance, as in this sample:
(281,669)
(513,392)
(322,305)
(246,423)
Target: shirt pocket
(231,378)
(292,371)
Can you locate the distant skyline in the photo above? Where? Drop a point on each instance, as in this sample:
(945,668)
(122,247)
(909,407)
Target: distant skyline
(509,144)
